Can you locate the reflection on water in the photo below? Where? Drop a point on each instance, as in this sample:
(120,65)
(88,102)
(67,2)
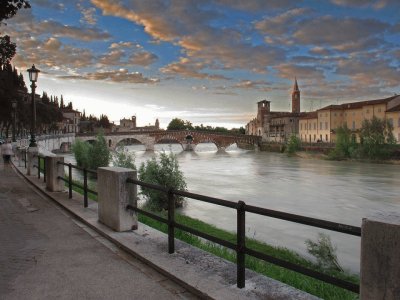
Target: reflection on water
(342,192)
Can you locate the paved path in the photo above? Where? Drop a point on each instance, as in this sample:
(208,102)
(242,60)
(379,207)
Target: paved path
(45,254)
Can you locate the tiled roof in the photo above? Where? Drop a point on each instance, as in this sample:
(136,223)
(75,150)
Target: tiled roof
(395,108)
(360,104)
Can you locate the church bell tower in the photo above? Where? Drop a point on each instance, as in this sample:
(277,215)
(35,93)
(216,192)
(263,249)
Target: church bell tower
(295,97)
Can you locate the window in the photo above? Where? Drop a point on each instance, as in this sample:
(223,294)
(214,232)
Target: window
(326,114)
(390,121)
(326,137)
(315,136)
(301,126)
(354,113)
(367,111)
(353,126)
(315,125)
(326,125)
(379,109)
(309,126)
(320,125)
(334,114)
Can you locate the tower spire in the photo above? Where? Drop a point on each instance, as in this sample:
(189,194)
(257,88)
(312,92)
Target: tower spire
(295,86)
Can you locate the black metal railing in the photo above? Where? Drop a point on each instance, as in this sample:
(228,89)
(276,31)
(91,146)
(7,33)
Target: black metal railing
(240,245)
(71,183)
(40,170)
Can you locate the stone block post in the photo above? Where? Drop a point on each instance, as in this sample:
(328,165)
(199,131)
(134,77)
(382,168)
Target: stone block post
(114,194)
(32,160)
(380,257)
(53,173)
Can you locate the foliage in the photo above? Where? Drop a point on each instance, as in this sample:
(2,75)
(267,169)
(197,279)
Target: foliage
(9,8)
(92,156)
(179,124)
(375,135)
(122,158)
(99,154)
(324,252)
(345,147)
(7,50)
(293,144)
(81,151)
(166,173)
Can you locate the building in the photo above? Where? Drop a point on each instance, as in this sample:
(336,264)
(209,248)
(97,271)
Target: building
(276,126)
(71,120)
(321,125)
(126,125)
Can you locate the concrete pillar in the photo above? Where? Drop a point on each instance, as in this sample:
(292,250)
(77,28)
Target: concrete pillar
(114,194)
(32,160)
(380,257)
(53,172)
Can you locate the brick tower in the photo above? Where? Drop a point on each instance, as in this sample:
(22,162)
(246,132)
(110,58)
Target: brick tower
(295,97)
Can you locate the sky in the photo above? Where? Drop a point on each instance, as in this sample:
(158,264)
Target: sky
(208,61)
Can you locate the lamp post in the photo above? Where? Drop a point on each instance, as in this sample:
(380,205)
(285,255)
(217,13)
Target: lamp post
(14,117)
(33,76)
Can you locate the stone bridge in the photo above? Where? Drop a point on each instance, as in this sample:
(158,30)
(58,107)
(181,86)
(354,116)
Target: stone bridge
(187,138)
(51,143)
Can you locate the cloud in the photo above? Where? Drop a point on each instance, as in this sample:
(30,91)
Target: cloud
(88,14)
(121,75)
(143,58)
(290,71)
(256,5)
(377,4)
(121,44)
(338,33)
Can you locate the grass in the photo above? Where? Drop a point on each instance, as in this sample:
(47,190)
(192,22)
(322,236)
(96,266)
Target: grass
(297,280)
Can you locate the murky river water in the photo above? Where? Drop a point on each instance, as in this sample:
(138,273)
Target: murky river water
(342,192)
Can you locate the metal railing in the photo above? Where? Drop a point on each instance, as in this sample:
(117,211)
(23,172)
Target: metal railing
(40,170)
(240,245)
(71,183)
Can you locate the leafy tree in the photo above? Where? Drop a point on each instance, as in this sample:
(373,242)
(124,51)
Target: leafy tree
(81,151)
(103,122)
(7,50)
(99,154)
(9,8)
(344,146)
(376,134)
(293,144)
(122,158)
(179,124)
(166,173)
(92,156)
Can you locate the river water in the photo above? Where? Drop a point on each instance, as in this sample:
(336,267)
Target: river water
(343,192)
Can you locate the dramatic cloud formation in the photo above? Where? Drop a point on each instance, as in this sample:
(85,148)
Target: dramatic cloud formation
(220,51)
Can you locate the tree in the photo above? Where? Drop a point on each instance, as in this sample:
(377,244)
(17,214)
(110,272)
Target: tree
(122,158)
(166,173)
(92,156)
(293,144)
(344,146)
(9,8)
(376,134)
(179,124)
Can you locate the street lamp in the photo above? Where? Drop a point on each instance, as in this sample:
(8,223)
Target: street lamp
(14,117)
(33,76)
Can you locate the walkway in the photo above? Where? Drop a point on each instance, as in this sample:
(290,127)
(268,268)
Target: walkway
(45,254)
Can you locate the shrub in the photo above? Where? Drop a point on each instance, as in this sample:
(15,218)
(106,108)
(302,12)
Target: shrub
(166,173)
(293,145)
(122,158)
(92,156)
(324,252)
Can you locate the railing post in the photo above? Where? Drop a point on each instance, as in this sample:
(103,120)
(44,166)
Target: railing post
(25,156)
(44,170)
(380,259)
(38,167)
(241,244)
(114,194)
(70,180)
(54,173)
(171,222)
(85,192)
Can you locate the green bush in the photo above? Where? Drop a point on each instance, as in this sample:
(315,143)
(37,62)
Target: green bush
(122,158)
(92,156)
(164,172)
(293,145)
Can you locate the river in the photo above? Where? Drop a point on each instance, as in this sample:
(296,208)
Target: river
(342,192)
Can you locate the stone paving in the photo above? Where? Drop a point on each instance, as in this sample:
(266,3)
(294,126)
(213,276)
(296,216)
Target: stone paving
(46,254)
